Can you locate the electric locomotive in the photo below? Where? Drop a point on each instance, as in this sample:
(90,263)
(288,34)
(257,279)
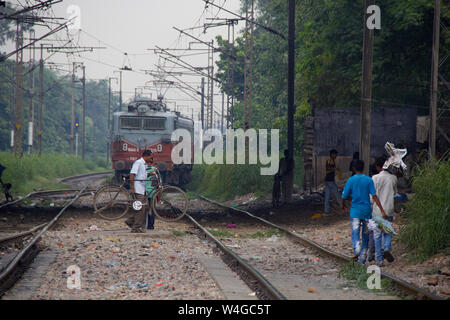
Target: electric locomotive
(148,124)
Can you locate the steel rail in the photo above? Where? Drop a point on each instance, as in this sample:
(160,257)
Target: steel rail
(14,262)
(45,193)
(269,289)
(82,176)
(38,193)
(21,234)
(405,285)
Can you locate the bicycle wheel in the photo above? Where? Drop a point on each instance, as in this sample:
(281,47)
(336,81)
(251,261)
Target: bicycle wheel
(170,203)
(111,202)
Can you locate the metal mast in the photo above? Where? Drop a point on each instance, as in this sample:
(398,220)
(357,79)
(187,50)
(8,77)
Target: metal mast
(248,63)
(19,93)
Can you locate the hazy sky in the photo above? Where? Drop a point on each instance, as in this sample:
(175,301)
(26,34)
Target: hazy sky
(132,27)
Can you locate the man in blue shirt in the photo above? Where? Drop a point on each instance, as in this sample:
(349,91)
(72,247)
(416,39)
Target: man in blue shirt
(360,187)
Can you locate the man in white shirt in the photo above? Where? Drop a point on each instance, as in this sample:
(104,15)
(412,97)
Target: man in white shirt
(138,176)
(386,187)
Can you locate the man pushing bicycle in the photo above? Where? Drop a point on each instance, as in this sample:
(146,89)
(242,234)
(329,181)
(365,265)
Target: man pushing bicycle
(138,178)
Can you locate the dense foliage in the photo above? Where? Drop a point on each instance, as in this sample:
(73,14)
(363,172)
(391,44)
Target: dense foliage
(57,112)
(329,36)
(427,231)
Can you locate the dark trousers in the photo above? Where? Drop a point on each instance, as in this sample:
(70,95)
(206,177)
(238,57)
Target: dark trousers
(138,219)
(150,216)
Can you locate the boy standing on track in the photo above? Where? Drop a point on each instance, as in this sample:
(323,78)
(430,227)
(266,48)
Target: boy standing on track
(138,177)
(360,187)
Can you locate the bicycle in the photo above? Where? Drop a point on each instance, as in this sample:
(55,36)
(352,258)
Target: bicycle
(168,203)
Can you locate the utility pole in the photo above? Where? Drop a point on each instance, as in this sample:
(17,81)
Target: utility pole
(203,104)
(366,90)
(109,119)
(221,118)
(210,87)
(72,122)
(12,106)
(291,107)
(434,78)
(31,110)
(248,63)
(19,93)
(41,96)
(83,134)
(230,74)
(120,92)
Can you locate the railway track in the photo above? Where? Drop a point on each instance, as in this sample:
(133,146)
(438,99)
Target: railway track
(85,177)
(269,289)
(11,271)
(254,278)
(63,194)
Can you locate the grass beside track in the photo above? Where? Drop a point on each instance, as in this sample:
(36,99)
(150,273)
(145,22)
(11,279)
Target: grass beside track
(226,181)
(427,231)
(32,172)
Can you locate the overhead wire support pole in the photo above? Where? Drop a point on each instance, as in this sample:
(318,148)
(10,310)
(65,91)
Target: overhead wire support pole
(18,114)
(59,28)
(41,96)
(75,65)
(120,92)
(192,68)
(83,137)
(210,87)
(434,79)
(108,126)
(230,77)
(366,90)
(208,44)
(186,84)
(187,65)
(72,122)
(231,59)
(248,64)
(291,106)
(203,104)
(244,18)
(31,93)
(35,7)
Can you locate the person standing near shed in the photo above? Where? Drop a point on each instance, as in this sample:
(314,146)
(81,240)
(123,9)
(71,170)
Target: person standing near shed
(330,184)
(352,163)
(138,177)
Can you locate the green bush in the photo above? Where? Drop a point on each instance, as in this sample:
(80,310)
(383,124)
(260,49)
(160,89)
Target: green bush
(427,231)
(226,181)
